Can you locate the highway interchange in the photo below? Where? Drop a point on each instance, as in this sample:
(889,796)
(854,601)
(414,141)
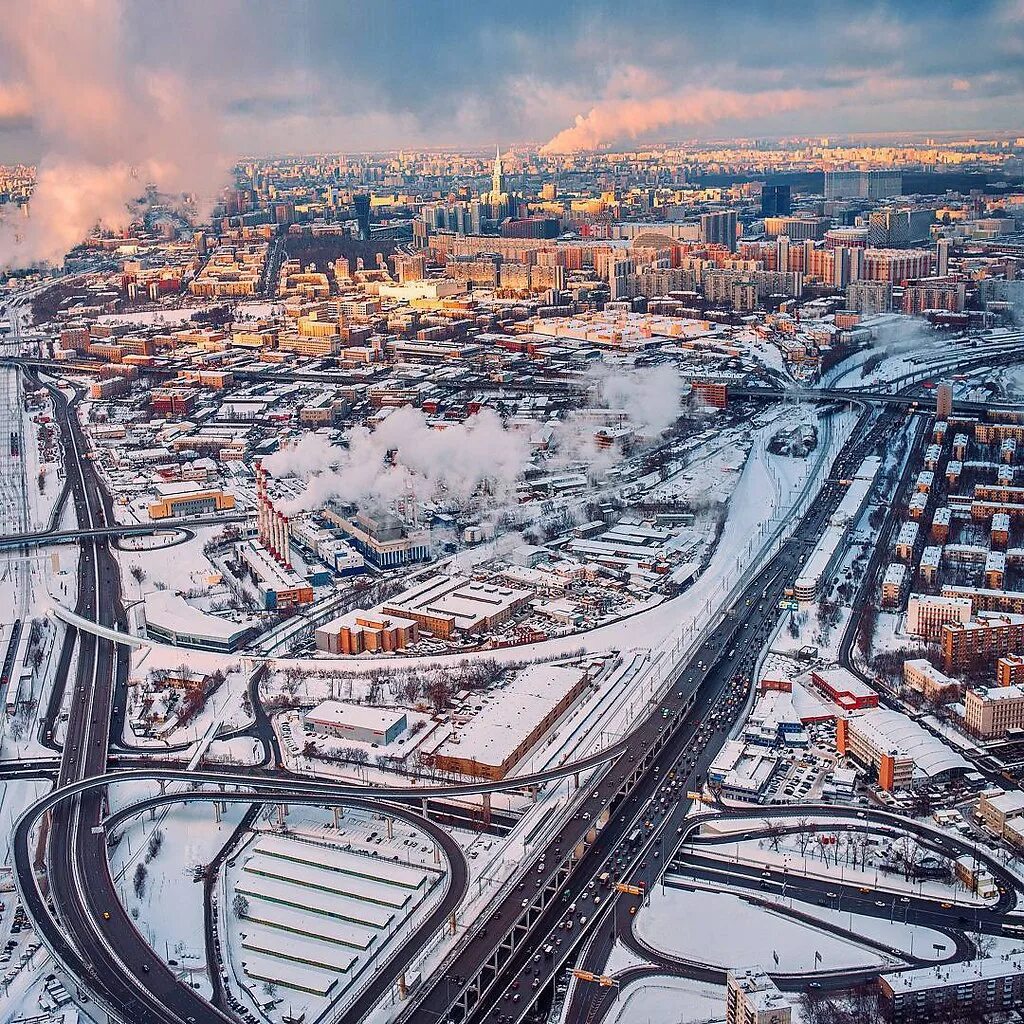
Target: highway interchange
(74,905)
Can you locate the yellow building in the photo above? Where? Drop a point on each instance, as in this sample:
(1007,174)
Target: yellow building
(183,500)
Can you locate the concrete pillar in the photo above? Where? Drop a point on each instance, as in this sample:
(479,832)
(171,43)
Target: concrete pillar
(452,924)
(423,806)
(217,813)
(437,854)
(163,787)
(485,816)
(282,810)
(223,803)
(575,781)
(403,988)
(391,827)
(339,813)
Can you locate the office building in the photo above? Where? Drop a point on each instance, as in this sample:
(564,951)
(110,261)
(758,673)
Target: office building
(863,184)
(943,401)
(797,229)
(184,499)
(776,201)
(896,228)
(361,203)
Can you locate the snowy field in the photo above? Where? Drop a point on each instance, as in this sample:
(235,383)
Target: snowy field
(721,930)
(667,1000)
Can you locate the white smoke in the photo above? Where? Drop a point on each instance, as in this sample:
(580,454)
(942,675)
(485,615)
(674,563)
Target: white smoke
(405,455)
(109,127)
(650,397)
(478,461)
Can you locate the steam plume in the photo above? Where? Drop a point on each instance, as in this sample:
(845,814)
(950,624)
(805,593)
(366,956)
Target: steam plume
(109,127)
(617,118)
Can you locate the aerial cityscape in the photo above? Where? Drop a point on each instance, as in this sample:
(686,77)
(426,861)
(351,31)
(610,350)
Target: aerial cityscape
(511,515)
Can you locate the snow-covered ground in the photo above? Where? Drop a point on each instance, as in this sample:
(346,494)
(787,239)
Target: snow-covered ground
(167,905)
(723,930)
(668,1000)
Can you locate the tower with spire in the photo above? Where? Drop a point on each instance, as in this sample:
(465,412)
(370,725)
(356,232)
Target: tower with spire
(497,177)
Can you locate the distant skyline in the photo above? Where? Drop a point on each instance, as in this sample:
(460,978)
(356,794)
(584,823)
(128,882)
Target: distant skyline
(103,95)
(314,76)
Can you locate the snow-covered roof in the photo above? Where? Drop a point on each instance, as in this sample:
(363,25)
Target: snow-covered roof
(895,733)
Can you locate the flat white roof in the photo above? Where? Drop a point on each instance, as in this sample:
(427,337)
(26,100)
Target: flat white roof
(511,713)
(359,716)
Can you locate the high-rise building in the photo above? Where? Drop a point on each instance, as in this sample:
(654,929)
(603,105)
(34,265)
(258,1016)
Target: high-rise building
(719,228)
(776,201)
(888,229)
(361,202)
(797,228)
(943,401)
(934,293)
(869,297)
(942,247)
(497,177)
(863,184)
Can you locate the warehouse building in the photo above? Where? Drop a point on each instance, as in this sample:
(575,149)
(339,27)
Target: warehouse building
(449,605)
(357,722)
(511,720)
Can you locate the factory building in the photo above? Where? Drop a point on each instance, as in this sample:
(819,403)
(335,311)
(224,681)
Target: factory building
(447,606)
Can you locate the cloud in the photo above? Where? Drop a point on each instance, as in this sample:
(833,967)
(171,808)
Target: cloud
(108,123)
(15,103)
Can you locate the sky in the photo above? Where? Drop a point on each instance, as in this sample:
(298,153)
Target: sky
(103,94)
(317,76)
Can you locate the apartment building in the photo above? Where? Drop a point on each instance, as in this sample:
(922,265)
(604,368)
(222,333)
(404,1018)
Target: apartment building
(967,645)
(751,997)
(928,613)
(989,711)
(961,991)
